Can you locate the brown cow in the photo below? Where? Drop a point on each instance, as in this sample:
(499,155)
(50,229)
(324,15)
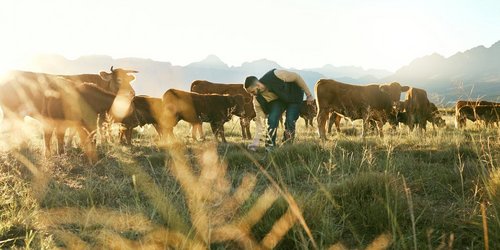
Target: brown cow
(206,87)
(465,110)
(356,102)
(147,110)
(76,106)
(308,112)
(197,108)
(23,93)
(336,118)
(434,118)
(488,113)
(419,109)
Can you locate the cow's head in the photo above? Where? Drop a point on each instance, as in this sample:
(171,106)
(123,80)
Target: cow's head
(237,105)
(119,80)
(313,110)
(393,90)
(248,106)
(439,121)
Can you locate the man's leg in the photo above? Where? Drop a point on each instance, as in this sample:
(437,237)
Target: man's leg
(292,114)
(275,112)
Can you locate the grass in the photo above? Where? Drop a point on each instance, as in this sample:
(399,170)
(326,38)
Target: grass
(438,190)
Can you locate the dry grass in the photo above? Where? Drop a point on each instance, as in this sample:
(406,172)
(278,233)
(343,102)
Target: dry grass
(438,190)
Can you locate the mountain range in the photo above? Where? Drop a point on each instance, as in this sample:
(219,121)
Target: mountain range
(471,74)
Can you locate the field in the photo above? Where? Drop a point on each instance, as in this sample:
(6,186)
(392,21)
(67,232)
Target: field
(437,190)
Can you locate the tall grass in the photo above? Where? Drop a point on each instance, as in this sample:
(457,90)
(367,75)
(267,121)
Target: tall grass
(437,190)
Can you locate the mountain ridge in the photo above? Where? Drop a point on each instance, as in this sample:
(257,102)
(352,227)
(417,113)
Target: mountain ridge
(471,74)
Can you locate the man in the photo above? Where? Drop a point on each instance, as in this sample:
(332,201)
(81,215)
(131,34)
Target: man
(275,92)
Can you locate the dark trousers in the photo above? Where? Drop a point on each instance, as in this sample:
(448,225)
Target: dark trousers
(276,109)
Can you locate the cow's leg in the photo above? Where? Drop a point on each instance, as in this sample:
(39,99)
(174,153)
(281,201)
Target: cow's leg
(364,125)
(197,128)
(193,131)
(247,128)
(243,132)
(166,124)
(380,127)
(218,130)
(47,138)
(322,117)
(71,136)
(122,135)
(334,120)
(200,131)
(128,135)
(411,122)
(422,126)
(158,129)
(167,133)
(60,130)
(330,123)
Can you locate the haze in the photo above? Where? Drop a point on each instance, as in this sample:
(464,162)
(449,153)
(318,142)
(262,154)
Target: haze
(296,34)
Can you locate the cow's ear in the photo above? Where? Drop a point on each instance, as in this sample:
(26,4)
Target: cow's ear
(405,88)
(106,76)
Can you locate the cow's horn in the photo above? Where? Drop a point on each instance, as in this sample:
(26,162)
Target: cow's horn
(111,68)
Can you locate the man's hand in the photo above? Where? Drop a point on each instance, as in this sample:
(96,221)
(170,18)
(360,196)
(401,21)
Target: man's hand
(310,100)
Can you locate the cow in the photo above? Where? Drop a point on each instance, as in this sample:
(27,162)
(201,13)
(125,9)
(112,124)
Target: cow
(434,117)
(77,106)
(206,87)
(487,112)
(335,119)
(147,110)
(197,108)
(23,93)
(308,112)
(465,110)
(356,102)
(419,110)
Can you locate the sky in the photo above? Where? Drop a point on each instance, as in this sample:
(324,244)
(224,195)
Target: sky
(385,34)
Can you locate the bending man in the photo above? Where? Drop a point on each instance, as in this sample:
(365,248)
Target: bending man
(276,92)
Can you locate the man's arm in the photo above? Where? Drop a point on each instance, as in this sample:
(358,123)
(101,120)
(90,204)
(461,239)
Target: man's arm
(259,124)
(289,76)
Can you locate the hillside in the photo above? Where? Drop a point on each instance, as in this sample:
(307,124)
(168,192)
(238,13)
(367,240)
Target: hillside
(471,74)
(474,73)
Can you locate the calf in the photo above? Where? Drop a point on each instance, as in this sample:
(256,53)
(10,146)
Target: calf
(466,110)
(206,87)
(147,110)
(371,102)
(420,110)
(308,112)
(488,114)
(434,118)
(77,107)
(197,108)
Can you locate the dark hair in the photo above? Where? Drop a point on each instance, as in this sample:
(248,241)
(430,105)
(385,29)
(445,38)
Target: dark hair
(250,81)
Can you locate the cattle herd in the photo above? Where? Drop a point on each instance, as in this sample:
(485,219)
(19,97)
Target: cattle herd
(83,101)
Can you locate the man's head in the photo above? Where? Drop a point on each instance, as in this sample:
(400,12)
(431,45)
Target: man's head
(253,86)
